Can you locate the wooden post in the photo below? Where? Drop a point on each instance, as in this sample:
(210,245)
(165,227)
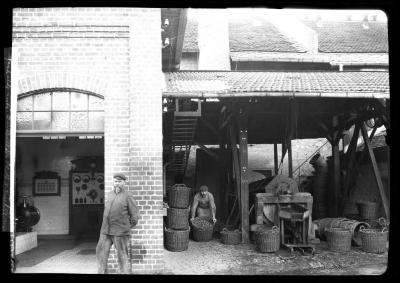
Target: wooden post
(290,160)
(336,172)
(276,158)
(235,160)
(244,183)
(377,174)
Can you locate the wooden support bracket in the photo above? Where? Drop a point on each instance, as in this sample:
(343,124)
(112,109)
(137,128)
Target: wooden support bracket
(377,174)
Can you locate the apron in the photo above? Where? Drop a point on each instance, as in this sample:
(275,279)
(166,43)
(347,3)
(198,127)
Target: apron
(203,207)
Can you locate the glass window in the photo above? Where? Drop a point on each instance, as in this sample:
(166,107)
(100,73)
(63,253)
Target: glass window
(42,102)
(24,120)
(79,121)
(79,101)
(41,120)
(61,111)
(60,121)
(61,101)
(25,104)
(96,121)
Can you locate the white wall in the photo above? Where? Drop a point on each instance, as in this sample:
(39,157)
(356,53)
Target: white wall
(36,154)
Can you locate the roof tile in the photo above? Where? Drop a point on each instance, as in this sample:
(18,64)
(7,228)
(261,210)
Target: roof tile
(356,84)
(335,36)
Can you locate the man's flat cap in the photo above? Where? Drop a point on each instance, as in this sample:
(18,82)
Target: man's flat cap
(119,176)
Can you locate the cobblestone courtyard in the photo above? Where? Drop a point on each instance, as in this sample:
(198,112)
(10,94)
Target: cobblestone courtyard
(208,258)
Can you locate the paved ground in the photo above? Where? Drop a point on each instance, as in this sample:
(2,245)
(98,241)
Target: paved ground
(216,258)
(67,256)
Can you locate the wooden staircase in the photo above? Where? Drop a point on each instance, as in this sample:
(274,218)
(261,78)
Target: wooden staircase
(183,128)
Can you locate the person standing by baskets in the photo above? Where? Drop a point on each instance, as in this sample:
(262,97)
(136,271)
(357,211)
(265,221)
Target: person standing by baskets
(121,214)
(203,205)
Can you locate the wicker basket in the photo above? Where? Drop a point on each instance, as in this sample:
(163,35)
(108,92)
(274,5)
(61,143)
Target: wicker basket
(268,241)
(374,240)
(367,209)
(178,196)
(231,237)
(202,233)
(176,240)
(338,239)
(178,218)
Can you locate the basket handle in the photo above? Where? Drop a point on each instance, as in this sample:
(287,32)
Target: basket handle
(385,230)
(362,228)
(382,221)
(274,228)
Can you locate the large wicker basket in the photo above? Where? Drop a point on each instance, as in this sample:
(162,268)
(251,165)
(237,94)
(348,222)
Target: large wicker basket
(367,209)
(178,196)
(268,241)
(176,240)
(374,240)
(178,218)
(338,239)
(231,237)
(203,228)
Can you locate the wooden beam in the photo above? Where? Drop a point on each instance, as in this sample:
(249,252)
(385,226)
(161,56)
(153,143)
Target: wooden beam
(290,160)
(209,126)
(377,174)
(276,158)
(244,182)
(350,159)
(208,151)
(336,174)
(224,123)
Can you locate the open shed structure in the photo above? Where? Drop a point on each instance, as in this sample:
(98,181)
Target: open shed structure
(234,108)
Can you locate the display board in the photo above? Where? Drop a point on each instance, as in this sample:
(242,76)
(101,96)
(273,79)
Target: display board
(87,188)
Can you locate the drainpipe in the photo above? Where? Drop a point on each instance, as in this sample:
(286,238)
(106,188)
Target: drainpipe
(165,178)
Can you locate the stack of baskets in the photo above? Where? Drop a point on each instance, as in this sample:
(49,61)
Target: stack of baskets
(231,237)
(338,239)
(368,210)
(203,228)
(177,233)
(374,240)
(268,241)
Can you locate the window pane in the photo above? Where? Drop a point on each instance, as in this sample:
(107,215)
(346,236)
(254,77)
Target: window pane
(25,104)
(79,101)
(24,120)
(96,121)
(60,121)
(42,101)
(95,103)
(60,100)
(41,120)
(79,121)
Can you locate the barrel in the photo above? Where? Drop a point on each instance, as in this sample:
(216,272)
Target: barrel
(368,210)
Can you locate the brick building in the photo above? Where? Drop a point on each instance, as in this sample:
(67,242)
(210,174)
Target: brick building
(88,86)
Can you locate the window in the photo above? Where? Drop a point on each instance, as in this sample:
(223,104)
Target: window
(60,111)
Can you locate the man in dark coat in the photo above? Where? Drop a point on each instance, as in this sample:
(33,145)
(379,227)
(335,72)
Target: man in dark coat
(120,215)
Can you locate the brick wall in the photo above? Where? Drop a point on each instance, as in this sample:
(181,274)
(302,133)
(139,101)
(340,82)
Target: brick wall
(114,52)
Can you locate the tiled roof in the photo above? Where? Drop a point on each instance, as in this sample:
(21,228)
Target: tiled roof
(333,58)
(190,43)
(327,84)
(245,36)
(258,34)
(351,36)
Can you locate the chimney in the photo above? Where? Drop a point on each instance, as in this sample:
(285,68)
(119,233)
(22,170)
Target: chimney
(365,22)
(213,39)
(348,18)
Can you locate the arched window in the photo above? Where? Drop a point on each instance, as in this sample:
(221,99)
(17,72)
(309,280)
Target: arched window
(60,111)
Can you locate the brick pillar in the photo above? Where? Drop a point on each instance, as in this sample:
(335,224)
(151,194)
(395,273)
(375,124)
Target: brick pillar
(145,137)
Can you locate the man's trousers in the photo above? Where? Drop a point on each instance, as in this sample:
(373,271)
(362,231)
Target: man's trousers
(121,244)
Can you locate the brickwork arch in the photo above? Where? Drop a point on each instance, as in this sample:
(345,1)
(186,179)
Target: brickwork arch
(62,80)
